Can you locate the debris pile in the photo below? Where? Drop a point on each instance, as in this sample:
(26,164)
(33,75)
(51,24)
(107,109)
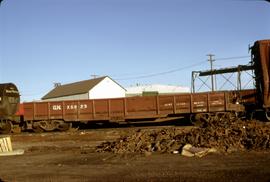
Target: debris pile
(225,136)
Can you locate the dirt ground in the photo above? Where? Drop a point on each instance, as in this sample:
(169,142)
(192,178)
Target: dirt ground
(72,156)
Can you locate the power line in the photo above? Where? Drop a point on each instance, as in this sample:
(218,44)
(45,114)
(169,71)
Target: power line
(232,58)
(178,69)
(160,73)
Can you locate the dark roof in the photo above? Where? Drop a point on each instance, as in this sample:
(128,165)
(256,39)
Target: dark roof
(73,88)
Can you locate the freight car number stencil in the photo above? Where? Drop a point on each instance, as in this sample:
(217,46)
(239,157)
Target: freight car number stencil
(69,107)
(74,106)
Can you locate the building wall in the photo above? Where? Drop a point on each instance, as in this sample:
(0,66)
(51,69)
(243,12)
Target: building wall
(155,89)
(71,97)
(107,88)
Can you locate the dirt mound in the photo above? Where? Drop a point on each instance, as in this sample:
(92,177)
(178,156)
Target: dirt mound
(225,136)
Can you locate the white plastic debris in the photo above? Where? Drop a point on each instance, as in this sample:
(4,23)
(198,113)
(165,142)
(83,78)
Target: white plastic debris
(190,151)
(6,147)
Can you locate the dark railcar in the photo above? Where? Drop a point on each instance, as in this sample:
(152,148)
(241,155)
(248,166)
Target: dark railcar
(9,101)
(261,61)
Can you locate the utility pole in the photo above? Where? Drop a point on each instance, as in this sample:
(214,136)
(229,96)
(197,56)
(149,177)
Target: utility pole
(94,76)
(211,60)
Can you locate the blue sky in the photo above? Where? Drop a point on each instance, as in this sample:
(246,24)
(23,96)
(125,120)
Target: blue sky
(47,41)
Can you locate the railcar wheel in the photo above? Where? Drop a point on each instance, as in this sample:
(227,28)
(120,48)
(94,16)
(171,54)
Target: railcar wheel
(5,127)
(192,119)
(49,125)
(37,129)
(267,115)
(64,126)
(195,120)
(231,116)
(200,120)
(250,115)
(16,129)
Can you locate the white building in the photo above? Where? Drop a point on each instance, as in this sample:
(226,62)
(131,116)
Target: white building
(155,89)
(98,88)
